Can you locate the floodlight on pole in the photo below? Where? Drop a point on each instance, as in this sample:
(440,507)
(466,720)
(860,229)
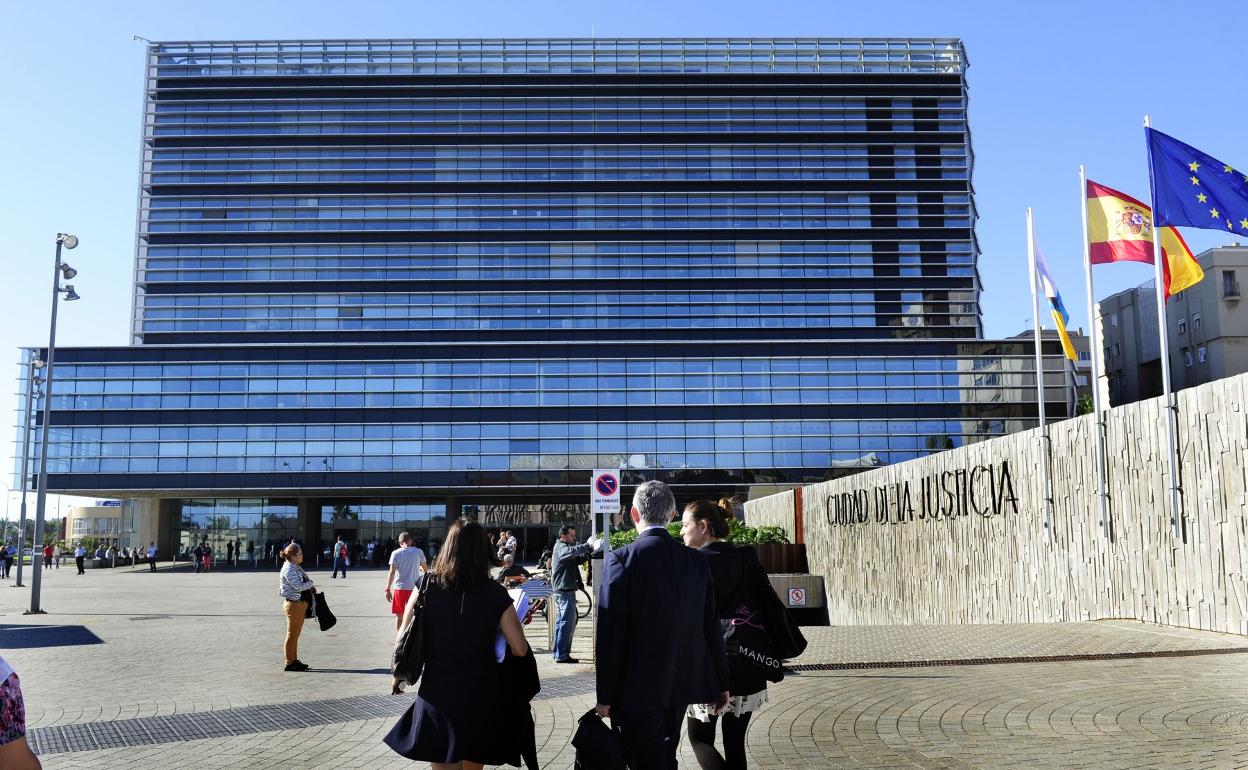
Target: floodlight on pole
(63,241)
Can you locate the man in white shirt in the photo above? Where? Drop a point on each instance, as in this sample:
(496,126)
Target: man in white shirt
(407,564)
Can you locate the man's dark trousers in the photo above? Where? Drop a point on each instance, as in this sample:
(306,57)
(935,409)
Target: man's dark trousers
(79,560)
(649,738)
(151,562)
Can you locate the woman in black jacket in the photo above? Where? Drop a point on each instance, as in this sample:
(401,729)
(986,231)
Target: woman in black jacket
(738,579)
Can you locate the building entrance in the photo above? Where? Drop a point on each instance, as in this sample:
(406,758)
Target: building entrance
(534,525)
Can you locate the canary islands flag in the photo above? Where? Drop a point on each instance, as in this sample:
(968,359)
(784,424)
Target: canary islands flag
(1056,306)
(1192,189)
(1120,229)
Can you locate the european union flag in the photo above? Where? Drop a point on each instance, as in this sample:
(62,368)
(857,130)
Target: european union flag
(1192,189)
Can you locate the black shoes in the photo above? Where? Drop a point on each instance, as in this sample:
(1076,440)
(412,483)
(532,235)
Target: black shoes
(297,665)
(567,660)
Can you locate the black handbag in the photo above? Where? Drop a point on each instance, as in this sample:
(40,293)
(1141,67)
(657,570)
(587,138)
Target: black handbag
(409,650)
(597,746)
(761,631)
(746,637)
(324,618)
(786,636)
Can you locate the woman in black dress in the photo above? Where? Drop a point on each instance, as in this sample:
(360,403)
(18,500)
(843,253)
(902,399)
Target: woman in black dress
(454,720)
(738,578)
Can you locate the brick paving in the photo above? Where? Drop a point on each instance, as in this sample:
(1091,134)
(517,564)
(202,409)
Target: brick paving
(178,650)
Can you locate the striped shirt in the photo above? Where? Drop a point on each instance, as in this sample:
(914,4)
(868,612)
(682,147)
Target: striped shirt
(293,582)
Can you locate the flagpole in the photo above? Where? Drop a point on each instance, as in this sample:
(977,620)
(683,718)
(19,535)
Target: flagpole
(1044,431)
(1176,522)
(1102,493)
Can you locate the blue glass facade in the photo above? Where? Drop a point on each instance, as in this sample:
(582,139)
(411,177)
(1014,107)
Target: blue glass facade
(376,278)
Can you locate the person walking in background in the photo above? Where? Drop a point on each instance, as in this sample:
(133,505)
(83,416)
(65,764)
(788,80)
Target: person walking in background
(15,753)
(151,556)
(407,564)
(658,644)
(738,578)
(564,582)
(58,555)
(460,708)
(48,552)
(251,553)
(292,583)
(207,557)
(197,556)
(80,558)
(340,558)
(8,561)
(229,553)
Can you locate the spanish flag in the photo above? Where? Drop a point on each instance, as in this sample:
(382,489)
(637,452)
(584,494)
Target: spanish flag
(1120,229)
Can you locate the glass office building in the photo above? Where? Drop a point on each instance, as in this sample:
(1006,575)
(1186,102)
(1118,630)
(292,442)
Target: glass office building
(381,283)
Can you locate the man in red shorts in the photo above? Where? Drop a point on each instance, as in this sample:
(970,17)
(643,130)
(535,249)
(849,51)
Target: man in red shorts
(406,565)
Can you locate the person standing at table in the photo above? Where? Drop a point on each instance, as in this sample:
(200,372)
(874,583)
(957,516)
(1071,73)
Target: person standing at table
(565,580)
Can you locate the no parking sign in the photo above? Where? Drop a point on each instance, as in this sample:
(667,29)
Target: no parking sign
(604,492)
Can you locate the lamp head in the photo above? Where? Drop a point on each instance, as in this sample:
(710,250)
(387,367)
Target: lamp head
(67,271)
(67,240)
(70,294)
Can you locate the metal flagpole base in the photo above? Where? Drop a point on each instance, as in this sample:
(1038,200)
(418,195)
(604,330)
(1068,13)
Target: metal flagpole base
(35,612)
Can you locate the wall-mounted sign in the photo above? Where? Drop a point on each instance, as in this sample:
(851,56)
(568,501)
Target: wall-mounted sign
(984,490)
(797,597)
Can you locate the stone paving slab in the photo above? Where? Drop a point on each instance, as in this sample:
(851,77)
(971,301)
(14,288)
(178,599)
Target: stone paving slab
(870,644)
(1091,714)
(179,649)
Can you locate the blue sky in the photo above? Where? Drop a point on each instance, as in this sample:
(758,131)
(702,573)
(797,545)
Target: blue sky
(1052,85)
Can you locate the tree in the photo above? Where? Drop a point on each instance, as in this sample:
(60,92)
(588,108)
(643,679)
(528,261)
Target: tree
(1083,405)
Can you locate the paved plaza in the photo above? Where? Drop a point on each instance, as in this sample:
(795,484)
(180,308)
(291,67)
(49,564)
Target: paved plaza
(131,669)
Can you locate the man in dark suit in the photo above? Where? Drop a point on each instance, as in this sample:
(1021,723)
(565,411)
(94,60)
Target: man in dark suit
(658,646)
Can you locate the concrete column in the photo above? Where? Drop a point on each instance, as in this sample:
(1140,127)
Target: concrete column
(167,529)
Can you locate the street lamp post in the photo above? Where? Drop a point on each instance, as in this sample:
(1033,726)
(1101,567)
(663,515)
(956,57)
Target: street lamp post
(61,269)
(32,384)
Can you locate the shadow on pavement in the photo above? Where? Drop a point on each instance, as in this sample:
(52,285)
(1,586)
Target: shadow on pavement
(26,637)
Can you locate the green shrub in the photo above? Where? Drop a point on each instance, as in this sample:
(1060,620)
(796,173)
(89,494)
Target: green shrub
(737,533)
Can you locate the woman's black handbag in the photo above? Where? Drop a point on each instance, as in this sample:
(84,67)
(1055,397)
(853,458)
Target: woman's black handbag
(597,746)
(746,637)
(409,650)
(762,631)
(324,617)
